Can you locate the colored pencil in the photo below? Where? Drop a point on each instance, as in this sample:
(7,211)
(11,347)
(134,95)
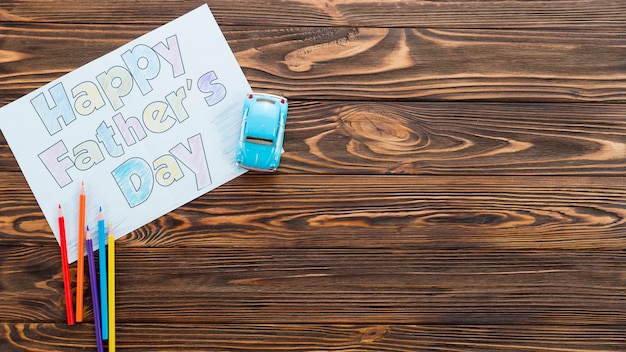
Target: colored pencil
(111,274)
(102,258)
(66,270)
(94,291)
(80,268)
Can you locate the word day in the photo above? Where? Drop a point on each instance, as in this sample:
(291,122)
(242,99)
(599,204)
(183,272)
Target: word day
(116,133)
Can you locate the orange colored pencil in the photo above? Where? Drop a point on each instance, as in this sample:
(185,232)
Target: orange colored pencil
(80,273)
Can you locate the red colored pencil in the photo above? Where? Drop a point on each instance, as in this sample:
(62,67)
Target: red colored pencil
(66,270)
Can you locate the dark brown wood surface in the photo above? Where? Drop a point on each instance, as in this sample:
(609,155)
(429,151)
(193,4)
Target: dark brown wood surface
(454,179)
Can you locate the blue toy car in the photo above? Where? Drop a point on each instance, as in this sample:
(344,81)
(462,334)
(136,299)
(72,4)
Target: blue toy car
(262,132)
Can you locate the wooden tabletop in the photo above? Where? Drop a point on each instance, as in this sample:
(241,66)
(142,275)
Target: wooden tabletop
(453,180)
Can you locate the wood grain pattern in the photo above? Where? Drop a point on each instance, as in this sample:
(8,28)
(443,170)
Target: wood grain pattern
(377,13)
(521,213)
(456,139)
(407,63)
(331,63)
(448,139)
(311,337)
(332,286)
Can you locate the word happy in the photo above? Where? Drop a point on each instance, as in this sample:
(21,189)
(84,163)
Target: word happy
(135,176)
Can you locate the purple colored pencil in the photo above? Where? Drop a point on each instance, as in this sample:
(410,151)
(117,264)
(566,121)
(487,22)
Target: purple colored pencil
(94,291)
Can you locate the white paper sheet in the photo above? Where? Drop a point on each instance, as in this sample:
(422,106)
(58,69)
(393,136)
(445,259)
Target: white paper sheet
(147,128)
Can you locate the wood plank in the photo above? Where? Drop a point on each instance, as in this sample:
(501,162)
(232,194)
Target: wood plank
(432,64)
(457,139)
(334,286)
(320,211)
(476,14)
(326,63)
(311,337)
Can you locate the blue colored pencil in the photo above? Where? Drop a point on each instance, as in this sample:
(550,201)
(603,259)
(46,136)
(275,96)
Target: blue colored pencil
(94,291)
(102,257)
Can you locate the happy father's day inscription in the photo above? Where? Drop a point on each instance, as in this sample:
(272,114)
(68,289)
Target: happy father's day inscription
(135,176)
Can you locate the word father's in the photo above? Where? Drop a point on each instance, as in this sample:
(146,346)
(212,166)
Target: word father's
(135,176)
